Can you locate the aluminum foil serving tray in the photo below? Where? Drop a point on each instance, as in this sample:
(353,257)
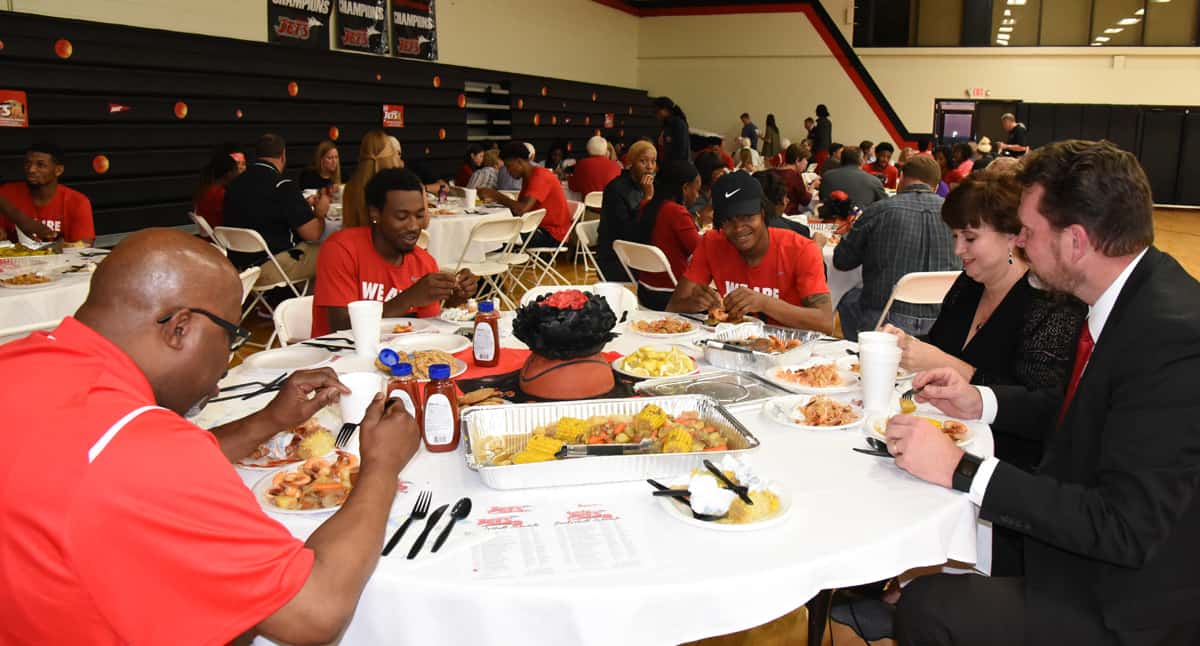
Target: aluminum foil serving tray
(512,426)
(757,362)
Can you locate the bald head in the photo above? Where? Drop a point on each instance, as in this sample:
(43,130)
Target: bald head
(157,273)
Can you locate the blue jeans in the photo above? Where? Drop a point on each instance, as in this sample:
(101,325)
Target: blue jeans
(858,318)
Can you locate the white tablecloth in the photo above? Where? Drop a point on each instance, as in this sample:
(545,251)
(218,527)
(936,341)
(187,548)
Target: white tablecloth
(854,519)
(45,306)
(839,281)
(448,234)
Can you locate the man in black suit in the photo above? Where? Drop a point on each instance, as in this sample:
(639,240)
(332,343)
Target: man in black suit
(1111,517)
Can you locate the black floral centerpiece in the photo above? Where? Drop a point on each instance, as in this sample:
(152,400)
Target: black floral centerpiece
(566,331)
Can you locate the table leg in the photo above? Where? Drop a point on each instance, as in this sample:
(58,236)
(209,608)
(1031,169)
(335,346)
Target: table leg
(818,616)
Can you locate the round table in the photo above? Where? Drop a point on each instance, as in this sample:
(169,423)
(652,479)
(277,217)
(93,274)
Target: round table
(854,519)
(839,281)
(25,309)
(449,232)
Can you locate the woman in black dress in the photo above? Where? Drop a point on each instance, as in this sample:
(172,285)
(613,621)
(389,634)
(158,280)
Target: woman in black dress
(822,135)
(996,327)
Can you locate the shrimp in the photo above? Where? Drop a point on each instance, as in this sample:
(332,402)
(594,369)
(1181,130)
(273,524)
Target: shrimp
(297,479)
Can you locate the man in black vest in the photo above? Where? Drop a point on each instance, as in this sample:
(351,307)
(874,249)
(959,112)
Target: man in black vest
(1111,517)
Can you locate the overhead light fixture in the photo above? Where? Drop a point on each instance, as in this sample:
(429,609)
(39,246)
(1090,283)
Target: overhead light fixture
(1114,30)
(1005,30)
(1097,44)
(1008,21)
(1007,12)
(1102,39)
(1129,21)
(1139,12)
(1016,3)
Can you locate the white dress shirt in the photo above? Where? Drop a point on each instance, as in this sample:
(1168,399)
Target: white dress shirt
(1098,314)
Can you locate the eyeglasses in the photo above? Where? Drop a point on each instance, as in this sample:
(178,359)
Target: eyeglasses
(238,336)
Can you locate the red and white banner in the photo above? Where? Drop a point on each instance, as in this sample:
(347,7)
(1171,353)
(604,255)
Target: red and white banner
(393,116)
(14,109)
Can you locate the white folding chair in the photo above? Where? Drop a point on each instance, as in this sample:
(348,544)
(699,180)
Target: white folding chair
(529,223)
(644,257)
(491,232)
(249,241)
(293,321)
(538,255)
(594,200)
(423,239)
(920,288)
(249,277)
(203,227)
(586,236)
(222,250)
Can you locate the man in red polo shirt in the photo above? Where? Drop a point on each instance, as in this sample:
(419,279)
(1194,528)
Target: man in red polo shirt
(382,262)
(775,273)
(126,524)
(594,172)
(63,210)
(540,189)
(882,166)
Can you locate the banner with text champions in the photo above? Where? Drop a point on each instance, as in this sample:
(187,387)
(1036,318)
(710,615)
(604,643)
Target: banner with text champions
(414,28)
(362,26)
(299,23)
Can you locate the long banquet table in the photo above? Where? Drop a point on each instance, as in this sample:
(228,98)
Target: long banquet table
(633,575)
(44,306)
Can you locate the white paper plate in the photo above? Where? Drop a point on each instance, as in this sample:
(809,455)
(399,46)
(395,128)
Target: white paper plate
(293,357)
(683,513)
(261,487)
(329,417)
(847,362)
(616,364)
(450,343)
(387,326)
(632,327)
(877,427)
(457,315)
(783,410)
(52,277)
(849,379)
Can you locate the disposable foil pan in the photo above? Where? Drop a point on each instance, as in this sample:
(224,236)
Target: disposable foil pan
(757,362)
(730,388)
(512,425)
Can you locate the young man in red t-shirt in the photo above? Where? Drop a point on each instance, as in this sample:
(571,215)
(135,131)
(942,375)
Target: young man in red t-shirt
(123,522)
(882,166)
(64,211)
(774,273)
(540,189)
(382,261)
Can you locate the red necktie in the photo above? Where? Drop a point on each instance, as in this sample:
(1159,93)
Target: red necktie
(1083,352)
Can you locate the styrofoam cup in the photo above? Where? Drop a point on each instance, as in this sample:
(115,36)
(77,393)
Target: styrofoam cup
(366,317)
(363,388)
(881,338)
(878,365)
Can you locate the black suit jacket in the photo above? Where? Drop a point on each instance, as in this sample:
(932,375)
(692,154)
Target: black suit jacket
(1112,519)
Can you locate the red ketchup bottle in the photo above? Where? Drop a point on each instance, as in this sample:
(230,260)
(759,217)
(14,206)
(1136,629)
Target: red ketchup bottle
(439,426)
(487,335)
(404,387)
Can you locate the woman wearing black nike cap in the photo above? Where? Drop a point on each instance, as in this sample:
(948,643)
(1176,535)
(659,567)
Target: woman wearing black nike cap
(773,273)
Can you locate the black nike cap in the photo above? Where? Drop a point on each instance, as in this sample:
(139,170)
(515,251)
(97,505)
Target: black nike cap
(734,194)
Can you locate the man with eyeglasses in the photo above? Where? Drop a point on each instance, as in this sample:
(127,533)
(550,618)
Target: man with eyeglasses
(123,522)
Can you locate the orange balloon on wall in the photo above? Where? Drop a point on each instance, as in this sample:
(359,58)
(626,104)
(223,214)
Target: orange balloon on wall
(520,104)
(594,95)
(293,88)
(554,119)
(587,121)
(63,48)
(100,164)
(1,44)
(462,100)
(181,110)
(441,133)
(537,119)
(238,113)
(545,90)
(334,133)
(437,81)
(378,77)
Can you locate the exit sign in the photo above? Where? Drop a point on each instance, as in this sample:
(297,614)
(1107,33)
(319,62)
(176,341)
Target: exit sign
(978,92)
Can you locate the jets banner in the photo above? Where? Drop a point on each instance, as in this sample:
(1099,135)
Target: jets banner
(362,26)
(299,23)
(414,29)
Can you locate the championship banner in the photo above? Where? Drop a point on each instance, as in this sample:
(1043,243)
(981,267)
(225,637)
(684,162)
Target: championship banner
(414,29)
(299,23)
(14,109)
(362,26)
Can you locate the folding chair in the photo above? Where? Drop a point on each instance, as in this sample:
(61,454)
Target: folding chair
(529,223)
(586,236)
(594,200)
(491,232)
(423,239)
(547,265)
(293,321)
(920,288)
(644,257)
(249,241)
(203,227)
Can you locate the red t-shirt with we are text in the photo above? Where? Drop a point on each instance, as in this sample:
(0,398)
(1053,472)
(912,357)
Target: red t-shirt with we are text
(350,269)
(792,270)
(69,212)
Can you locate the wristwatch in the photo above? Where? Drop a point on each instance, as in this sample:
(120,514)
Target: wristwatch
(964,473)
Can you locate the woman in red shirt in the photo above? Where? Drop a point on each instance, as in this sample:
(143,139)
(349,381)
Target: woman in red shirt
(209,198)
(471,164)
(666,223)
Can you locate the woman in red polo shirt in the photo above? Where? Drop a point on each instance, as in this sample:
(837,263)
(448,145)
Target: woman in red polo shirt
(666,223)
(776,274)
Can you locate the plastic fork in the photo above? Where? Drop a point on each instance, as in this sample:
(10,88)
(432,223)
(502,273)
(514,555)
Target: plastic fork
(420,509)
(344,435)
